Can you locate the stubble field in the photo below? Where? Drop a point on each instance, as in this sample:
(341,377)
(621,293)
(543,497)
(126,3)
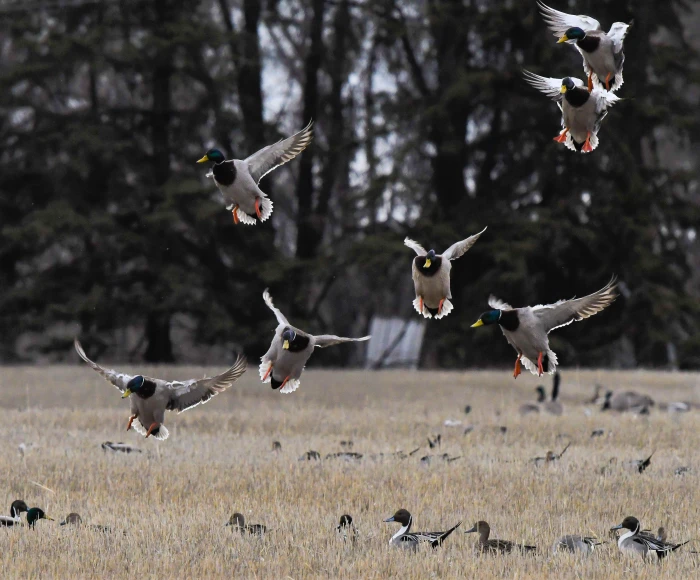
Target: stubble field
(173,500)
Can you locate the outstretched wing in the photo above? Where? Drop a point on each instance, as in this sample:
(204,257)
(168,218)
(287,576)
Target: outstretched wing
(189,394)
(617,34)
(415,246)
(119,380)
(560,22)
(272,156)
(498,304)
(567,311)
(458,249)
(281,319)
(324,340)
(550,86)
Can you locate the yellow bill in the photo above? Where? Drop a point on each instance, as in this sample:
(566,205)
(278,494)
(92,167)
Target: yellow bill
(285,345)
(203,159)
(48,518)
(563,89)
(563,39)
(478,323)
(126,393)
(427,263)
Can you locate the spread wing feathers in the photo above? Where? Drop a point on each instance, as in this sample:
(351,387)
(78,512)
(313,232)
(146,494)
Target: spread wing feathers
(604,100)
(560,22)
(119,380)
(567,311)
(324,340)
(272,156)
(281,319)
(189,394)
(415,246)
(458,249)
(498,304)
(617,34)
(550,86)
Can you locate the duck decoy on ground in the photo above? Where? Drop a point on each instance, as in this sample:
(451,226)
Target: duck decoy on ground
(497,546)
(290,350)
(550,456)
(431,276)
(34,515)
(635,542)
(597,433)
(677,407)
(310,456)
(554,406)
(346,444)
(119,447)
(639,465)
(582,112)
(238,180)
(150,398)
(573,543)
(347,530)
(404,538)
(16,508)
(237,522)
(74,519)
(682,470)
(526,328)
(597,398)
(533,408)
(345,455)
(627,402)
(427,459)
(603,53)
(433,443)
(276,446)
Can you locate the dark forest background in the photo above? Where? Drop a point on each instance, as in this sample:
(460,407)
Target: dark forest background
(423,127)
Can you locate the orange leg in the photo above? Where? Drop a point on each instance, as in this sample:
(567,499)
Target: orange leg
(587,144)
(284,382)
(607,82)
(539,364)
(561,138)
(257,208)
(131,420)
(420,304)
(151,428)
(590,82)
(517,370)
(440,306)
(267,374)
(235,216)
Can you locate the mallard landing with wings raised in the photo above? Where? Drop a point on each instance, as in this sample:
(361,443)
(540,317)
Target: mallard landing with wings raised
(150,398)
(582,112)
(431,276)
(291,347)
(238,179)
(526,329)
(602,52)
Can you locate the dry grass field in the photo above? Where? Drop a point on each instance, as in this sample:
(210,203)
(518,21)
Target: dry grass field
(173,500)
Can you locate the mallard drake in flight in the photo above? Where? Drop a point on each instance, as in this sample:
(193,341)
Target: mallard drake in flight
(526,328)
(431,276)
(404,538)
(289,351)
(634,541)
(150,397)
(238,179)
(237,522)
(16,508)
(582,111)
(497,546)
(34,515)
(602,52)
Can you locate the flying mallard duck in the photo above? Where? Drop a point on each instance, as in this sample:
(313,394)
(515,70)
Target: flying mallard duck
(602,52)
(526,328)
(238,179)
(151,397)
(431,276)
(284,361)
(581,112)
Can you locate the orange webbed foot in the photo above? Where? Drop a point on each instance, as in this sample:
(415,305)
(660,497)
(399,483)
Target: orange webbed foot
(590,82)
(151,429)
(235,214)
(587,144)
(540,370)
(131,420)
(561,138)
(257,208)
(518,368)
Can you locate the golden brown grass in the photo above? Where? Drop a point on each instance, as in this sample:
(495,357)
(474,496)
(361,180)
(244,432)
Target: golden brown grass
(173,500)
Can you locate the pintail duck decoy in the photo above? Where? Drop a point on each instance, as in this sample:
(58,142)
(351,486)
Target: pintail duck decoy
(550,456)
(635,542)
(497,546)
(238,179)
(582,112)
(119,447)
(34,515)
(574,543)
(310,456)
(639,465)
(347,444)
(431,276)
(16,508)
(404,538)
(526,328)
(602,52)
(346,529)
(74,519)
(289,351)
(533,408)
(427,459)
(237,522)
(276,446)
(344,455)
(627,401)
(150,398)
(433,443)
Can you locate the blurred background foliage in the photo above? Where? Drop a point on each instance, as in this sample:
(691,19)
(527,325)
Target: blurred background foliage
(423,127)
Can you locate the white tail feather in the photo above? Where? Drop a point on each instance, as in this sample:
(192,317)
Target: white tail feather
(244,218)
(266,209)
(532,366)
(570,142)
(162,434)
(291,386)
(424,312)
(446,309)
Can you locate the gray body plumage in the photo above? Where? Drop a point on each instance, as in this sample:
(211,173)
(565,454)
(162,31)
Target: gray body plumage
(574,543)
(637,542)
(408,540)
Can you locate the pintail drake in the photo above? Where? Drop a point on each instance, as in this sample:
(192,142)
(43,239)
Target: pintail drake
(573,543)
(496,546)
(346,529)
(119,447)
(634,541)
(406,539)
(639,465)
(237,521)
(550,457)
(16,509)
